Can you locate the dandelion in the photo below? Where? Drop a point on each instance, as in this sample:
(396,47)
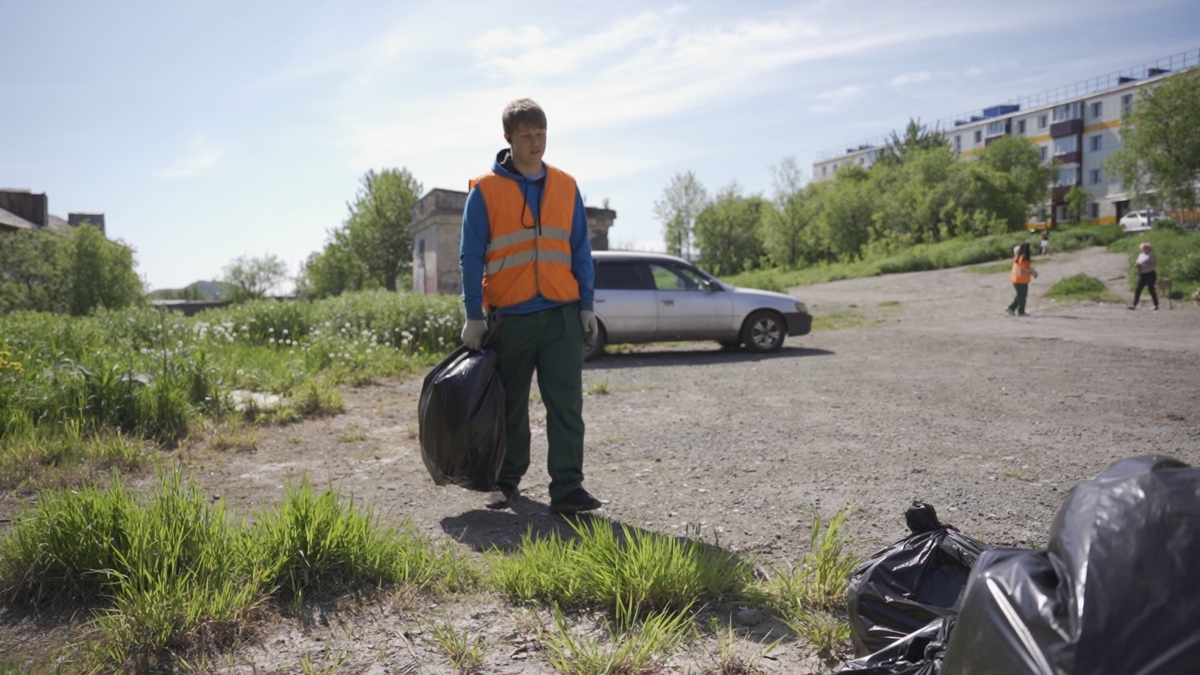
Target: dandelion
(240,371)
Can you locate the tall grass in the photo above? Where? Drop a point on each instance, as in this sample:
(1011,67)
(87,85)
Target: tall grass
(1080,287)
(170,575)
(149,374)
(639,570)
(965,250)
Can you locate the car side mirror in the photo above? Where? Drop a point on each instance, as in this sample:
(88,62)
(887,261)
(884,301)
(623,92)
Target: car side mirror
(709,286)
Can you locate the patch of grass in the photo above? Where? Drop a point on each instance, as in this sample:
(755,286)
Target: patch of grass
(838,320)
(307,667)
(352,437)
(464,653)
(599,388)
(317,546)
(731,658)
(890,303)
(235,436)
(811,598)
(637,570)
(49,458)
(634,644)
(172,577)
(1080,287)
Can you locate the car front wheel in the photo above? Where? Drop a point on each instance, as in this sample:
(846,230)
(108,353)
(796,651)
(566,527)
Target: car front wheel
(763,332)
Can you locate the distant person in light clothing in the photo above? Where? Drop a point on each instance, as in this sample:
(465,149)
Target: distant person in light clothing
(1147,276)
(1045,240)
(1022,272)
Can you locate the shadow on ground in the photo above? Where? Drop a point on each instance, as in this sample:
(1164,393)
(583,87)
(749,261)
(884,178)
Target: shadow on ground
(639,357)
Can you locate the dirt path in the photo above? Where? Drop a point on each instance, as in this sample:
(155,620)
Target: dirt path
(929,391)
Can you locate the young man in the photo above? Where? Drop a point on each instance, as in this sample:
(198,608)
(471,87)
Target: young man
(525,251)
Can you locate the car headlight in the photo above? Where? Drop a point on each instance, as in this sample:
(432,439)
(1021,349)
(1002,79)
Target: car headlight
(802,308)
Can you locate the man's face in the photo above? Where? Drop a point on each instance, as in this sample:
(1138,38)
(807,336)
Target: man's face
(528,144)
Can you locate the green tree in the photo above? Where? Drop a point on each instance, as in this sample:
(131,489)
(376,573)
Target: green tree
(727,231)
(34,272)
(681,202)
(847,214)
(101,273)
(1019,158)
(377,229)
(1077,200)
(1160,160)
(916,137)
(334,269)
(788,229)
(253,278)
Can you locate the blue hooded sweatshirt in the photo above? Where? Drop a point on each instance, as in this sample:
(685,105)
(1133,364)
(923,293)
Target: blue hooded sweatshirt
(476,232)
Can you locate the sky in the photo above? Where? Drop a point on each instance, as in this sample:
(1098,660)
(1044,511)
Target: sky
(211,130)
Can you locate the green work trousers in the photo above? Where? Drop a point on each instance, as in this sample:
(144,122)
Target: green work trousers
(1018,303)
(550,341)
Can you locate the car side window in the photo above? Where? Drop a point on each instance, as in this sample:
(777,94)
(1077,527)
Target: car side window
(671,278)
(623,276)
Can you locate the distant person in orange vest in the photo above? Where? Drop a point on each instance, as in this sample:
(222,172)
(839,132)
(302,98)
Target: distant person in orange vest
(525,253)
(1022,271)
(1147,265)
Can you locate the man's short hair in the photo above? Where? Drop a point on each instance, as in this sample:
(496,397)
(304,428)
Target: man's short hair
(523,111)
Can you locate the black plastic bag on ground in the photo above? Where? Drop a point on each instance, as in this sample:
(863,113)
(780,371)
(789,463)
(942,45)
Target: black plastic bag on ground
(461,416)
(916,580)
(918,653)
(1117,590)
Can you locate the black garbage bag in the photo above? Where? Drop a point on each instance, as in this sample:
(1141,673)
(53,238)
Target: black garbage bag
(916,580)
(918,653)
(1116,591)
(461,416)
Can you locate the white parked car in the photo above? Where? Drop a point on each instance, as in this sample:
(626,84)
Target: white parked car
(648,297)
(1138,221)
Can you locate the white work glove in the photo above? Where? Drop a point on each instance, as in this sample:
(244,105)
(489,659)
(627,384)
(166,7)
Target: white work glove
(590,328)
(472,333)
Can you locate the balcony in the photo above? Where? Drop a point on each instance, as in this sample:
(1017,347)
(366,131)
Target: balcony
(1069,157)
(1059,194)
(1066,128)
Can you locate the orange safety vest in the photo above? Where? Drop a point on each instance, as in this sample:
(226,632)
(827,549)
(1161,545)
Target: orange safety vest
(524,257)
(1022,271)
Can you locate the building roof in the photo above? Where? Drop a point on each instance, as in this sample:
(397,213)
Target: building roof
(11,221)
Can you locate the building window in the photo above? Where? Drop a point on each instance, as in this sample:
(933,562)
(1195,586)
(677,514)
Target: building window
(958,143)
(1097,109)
(1044,151)
(1070,111)
(1042,121)
(1097,143)
(978,136)
(1065,144)
(1061,211)
(823,170)
(996,128)
(835,168)
(1094,210)
(1067,176)
(1097,176)
(1126,104)
(1020,126)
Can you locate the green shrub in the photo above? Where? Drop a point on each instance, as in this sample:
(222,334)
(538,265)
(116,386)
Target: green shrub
(1079,287)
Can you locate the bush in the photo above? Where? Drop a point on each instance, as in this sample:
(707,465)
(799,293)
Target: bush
(1078,287)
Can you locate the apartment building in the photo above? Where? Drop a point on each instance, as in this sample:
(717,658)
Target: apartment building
(1077,126)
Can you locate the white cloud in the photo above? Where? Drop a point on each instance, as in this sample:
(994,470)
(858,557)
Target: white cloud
(202,155)
(911,78)
(836,99)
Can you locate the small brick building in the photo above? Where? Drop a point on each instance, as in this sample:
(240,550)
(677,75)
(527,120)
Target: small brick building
(437,232)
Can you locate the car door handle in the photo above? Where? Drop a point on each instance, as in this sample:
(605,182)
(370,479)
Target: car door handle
(599,300)
(669,302)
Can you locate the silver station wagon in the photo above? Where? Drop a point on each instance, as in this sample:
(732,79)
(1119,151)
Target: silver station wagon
(648,297)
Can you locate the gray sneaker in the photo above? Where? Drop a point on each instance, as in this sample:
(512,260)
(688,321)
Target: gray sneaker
(502,497)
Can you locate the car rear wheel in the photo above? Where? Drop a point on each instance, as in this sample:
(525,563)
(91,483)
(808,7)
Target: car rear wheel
(763,332)
(597,348)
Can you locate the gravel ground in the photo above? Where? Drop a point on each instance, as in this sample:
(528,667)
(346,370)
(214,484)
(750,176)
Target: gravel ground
(920,387)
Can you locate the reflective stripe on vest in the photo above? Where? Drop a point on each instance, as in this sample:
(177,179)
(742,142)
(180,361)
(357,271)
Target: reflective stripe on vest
(524,260)
(1022,272)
